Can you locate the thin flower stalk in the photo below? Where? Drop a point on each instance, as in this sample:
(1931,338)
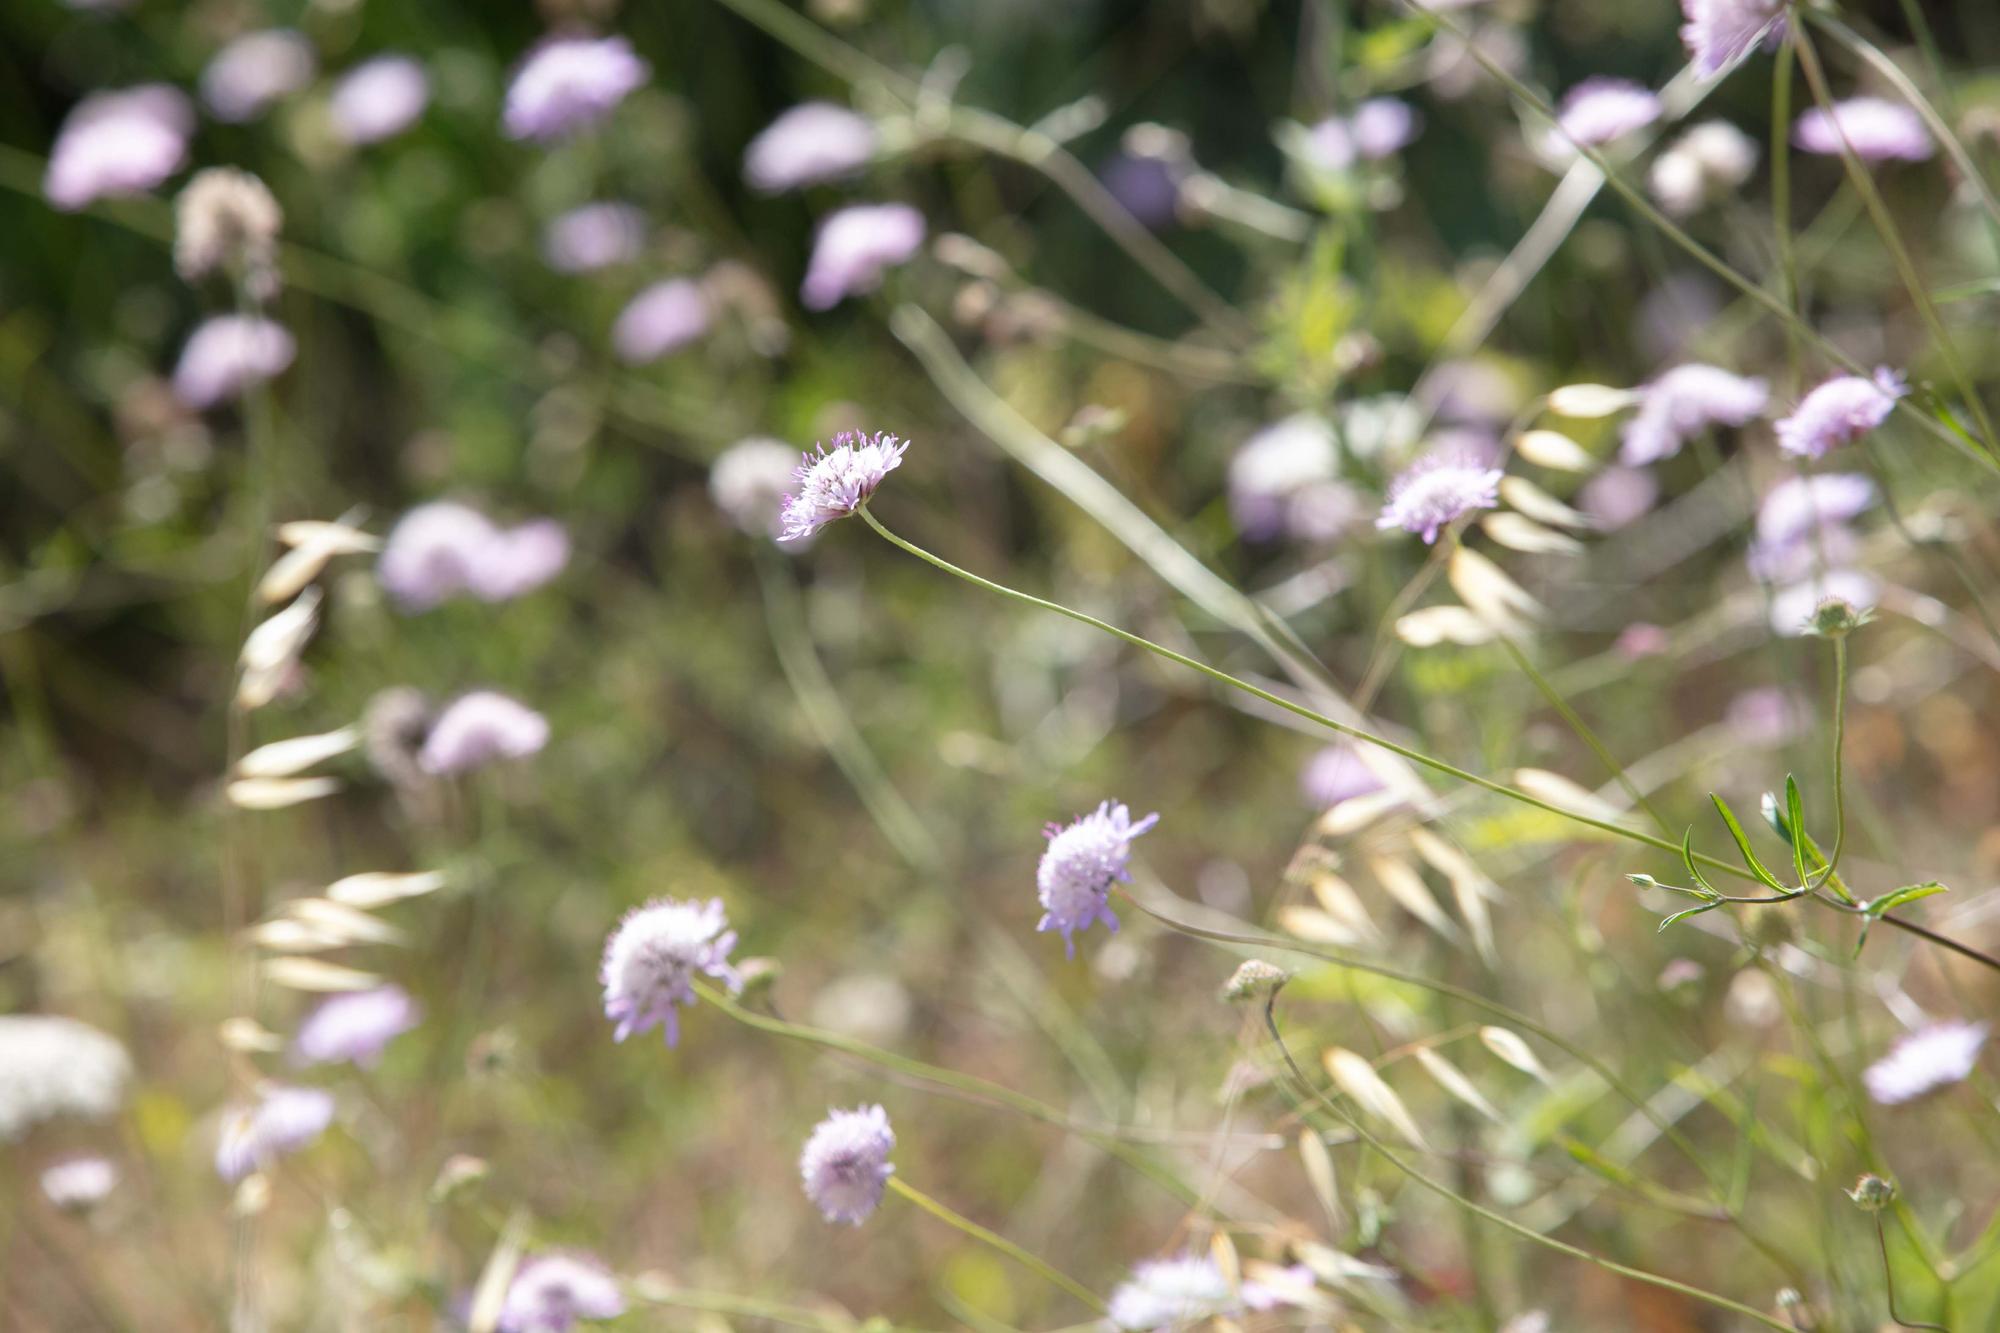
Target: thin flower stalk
(1033,1263)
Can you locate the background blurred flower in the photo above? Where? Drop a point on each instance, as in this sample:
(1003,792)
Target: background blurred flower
(478,728)
(282,1120)
(1923,1061)
(1436,489)
(226,355)
(78,1183)
(661,319)
(1336,773)
(1617,497)
(750,481)
(355,1027)
(1877,131)
(1171,1293)
(845,1165)
(443,549)
(1717,32)
(653,956)
(1273,468)
(226,220)
(1838,412)
(552,1291)
(569,84)
(52,1066)
(118,143)
(594,236)
(1803,522)
(245,77)
(379,99)
(1378,128)
(1684,402)
(811,143)
(853,248)
(1599,111)
(1705,163)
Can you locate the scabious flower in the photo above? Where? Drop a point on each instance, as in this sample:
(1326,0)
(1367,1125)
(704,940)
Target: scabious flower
(1793,608)
(1929,1058)
(1439,487)
(478,728)
(749,482)
(1705,163)
(1876,129)
(833,483)
(1171,1293)
(1282,482)
(1684,402)
(812,142)
(657,950)
(1803,522)
(1839,412)
(570,84)
(118,143)
(355,1026)
(1336,773)
(853,248)
(1378,128)
(226,220)
(1598,111)
(1080,865)
(79,1183)
(1717,32)
(52,1066)
(552,1291)
(226,355)
(283,1120)
(441,550)
(594,236)
(661,319)
(845,1165)
(247,76)
(379,99)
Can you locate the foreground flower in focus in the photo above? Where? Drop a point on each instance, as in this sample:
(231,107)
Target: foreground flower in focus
(833,483)
(1839,412)
(1684,402)
(284,1120)
(1877,130)
(661,319)
(657,950)
(52,1066)
(845,1165)
(1925,1060)
(227,355)
(379,99)
(118,143)
(442,550)
(256,70)
(551,1291)
(478,728)
(853,248)
(570,84)
(1717,32)
(1080,865)
(812,142)
(355,1027)
(1436,489)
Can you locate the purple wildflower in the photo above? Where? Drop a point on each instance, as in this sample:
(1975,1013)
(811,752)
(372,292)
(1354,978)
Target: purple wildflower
(812,142)
(853,248)
(226,355)
(478,728)
(441,550)
(118,143)
(1336,773)
(1717,32)
(657,950)
(552,1290)
(379,99)
(1171,1293)
(1840,411)
(355,1026)
(1877,130)
(749,482)
(569,84)
(78,1183)
(1378,128)
(845,1165)
(1922,1061)
(1684,402)
(1599,110)
(1282,480)
(247,76)
(284,1120)
(1793,607)
(1618,497)
(1437,488)
(1080,865)
(1803,521)
(833,483)
(661,319)
(594,236)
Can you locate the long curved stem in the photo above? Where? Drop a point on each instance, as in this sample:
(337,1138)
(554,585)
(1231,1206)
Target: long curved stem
(1889,1283)
(1026,1259)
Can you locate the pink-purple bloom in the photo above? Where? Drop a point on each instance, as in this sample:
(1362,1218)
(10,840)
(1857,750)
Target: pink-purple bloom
(853,249)
(379,99)
(1376,129)
(833,483)
(1718,32)
(811,143)
(1600,110)
(1925,1060)
(551,1291)
(653,956)
(1443,485)
(663,318)
(480,728)
(226,355)
(1684,402)
(1079,866)
(1876,129)
(1172,1293)
(118,143)
(845,1165)
(442,550)
(246,77)
(355,1027)
(570,84)
(283,1120)
(1839,412)
(594,236)
(1803,523)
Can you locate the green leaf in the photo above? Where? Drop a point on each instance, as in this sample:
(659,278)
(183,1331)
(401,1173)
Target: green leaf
(1795,816)
(1688,911)
(1909,893)
(1743,845)
(1687,859)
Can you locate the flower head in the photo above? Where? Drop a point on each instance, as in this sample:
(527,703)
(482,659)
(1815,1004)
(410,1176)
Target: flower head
(1717,32)
(379,99)
(1378,128)
(845,1165)
(118,143)
(1282,481)
(552,1290)
(1705,163)
(833,483)
(594,236)
(657,950)
(476,729)
(812,142)
(1876,129)
(1438,488)
(853,248)
(78,1183)
(1684,402)
(1080,865)
(1795,608)
(570,84)
(1803,522)
(1840,411)
(247,76)
(442,550)
(1599,110)
(355,1026)
(1170,1293)
(661,319)
(284,1120)
(52,1066)
(227,220)
(1925,1060)
(749,482)
(226,355)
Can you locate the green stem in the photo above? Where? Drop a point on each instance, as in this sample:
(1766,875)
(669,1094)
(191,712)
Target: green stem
(1582,730)
(1839,746)
(1889,1283)
(1781,190)
(1032,1262)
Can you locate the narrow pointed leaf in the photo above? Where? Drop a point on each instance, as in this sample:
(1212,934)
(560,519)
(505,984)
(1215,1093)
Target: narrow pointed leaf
(1743,845)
